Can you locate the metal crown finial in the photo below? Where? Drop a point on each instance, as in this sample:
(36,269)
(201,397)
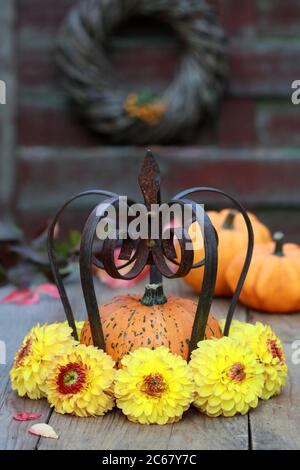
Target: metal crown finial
(149,180)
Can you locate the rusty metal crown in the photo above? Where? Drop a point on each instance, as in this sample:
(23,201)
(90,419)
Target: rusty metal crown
(160,254)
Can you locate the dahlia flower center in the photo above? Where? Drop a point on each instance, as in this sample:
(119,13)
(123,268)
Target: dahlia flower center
(154,385)
(274,349)
(71,378)
(23,353)
(237,372)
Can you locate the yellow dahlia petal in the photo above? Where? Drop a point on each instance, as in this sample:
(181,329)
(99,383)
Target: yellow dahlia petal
(73,384)
(154,386)
(79,326)
(236,379)
(41,346)
(268,351)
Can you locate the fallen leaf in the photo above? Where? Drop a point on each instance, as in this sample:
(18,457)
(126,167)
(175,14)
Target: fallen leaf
(43,430)
(21,297)
(31,296)
(15,295)
(30,299)
(49,289)
(26,416)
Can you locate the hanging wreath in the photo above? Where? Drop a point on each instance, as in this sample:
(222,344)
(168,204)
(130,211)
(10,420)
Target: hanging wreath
(143,118)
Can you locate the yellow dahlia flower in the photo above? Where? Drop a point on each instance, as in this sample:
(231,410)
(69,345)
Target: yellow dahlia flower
(81,382)
(228,378)
(42,345)
(154,386)
(79,326)
(269,352)
(238,330)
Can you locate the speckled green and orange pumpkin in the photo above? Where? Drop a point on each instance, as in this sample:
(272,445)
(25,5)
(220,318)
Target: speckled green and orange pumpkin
(128,325)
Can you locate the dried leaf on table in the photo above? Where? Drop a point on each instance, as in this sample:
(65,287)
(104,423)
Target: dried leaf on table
(24,416)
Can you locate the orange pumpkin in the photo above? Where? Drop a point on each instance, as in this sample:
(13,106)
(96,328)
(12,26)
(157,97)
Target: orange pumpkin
(233,239)
(272,283)
(129,324)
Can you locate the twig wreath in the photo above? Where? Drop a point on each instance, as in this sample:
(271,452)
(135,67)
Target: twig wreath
(193,94)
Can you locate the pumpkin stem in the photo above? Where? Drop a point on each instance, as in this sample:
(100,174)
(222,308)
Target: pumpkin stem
(278,238)
(228,223)
(154,295)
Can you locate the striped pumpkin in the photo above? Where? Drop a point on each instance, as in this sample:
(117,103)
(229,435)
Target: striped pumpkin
(129,324)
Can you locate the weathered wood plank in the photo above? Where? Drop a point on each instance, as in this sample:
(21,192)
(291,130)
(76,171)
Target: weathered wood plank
(197,431)
(275,424)
(115,432)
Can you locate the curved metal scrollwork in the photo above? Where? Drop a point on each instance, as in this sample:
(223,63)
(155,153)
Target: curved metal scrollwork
(248,257)
(171,257)
(52,258)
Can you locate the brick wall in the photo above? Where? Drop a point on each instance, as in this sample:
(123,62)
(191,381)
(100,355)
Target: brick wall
(252,149)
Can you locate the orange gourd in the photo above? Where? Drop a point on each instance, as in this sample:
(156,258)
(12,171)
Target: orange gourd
(129,324)
(273,280)
(233,240)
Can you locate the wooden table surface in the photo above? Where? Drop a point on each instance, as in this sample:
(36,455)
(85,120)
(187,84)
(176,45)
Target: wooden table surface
(275,424)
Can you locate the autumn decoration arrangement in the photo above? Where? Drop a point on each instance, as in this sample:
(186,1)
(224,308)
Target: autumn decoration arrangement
(225,376)
(155,355)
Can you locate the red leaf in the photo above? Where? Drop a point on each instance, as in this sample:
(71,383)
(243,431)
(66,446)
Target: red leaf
(21,297)
(31,296)
(30,299)
(49,289)
(26,416)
